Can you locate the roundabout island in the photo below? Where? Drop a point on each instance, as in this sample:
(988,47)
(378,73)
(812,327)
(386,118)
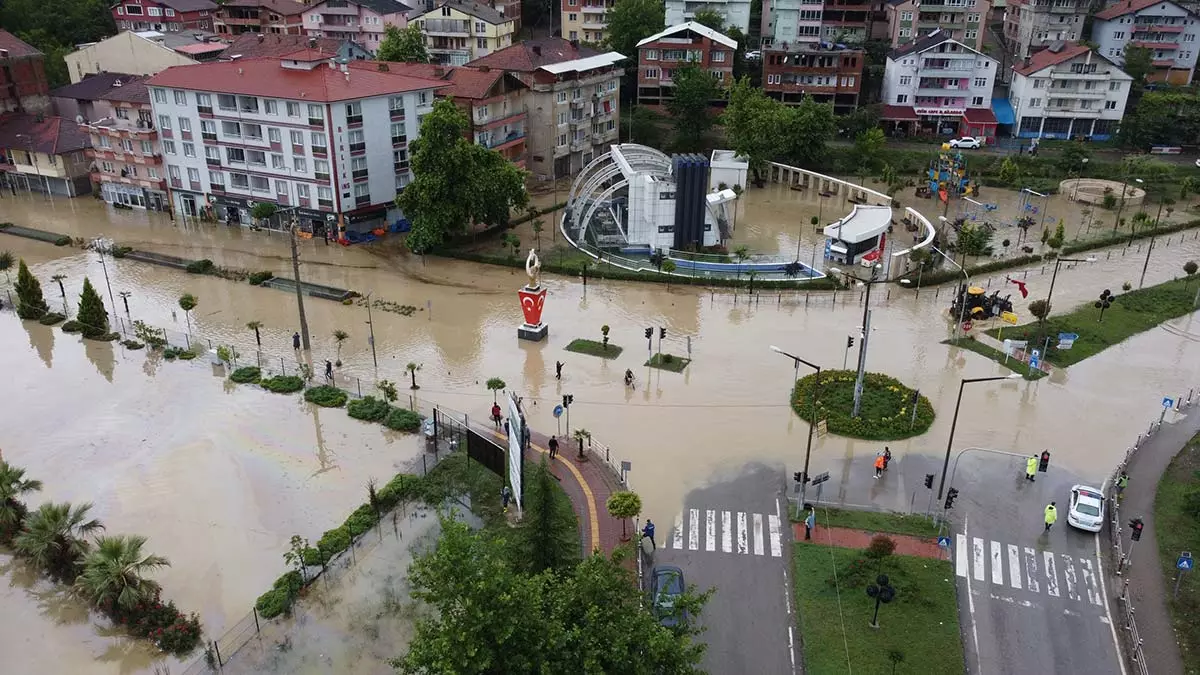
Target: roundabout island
(887,411)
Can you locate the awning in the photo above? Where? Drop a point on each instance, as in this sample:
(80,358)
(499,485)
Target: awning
(899,113)
(979,116)
(1003,111)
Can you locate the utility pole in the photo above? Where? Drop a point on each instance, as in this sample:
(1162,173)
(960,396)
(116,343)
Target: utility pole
(371,326)
(299,293)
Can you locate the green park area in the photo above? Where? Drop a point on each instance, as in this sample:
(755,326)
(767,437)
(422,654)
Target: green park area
(970,344)
(873,521)
(1177,528)
(886,411)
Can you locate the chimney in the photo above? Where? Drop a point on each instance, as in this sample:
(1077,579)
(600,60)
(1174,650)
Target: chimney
(1028,61)
(312,43)
(484,69)
(537,50)
(260,38)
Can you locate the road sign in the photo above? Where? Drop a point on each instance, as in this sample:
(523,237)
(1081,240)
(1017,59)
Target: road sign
(822,428)
(944,541)
(1009,317)
(1185,562)
(820,478)
(966,325)
(1065,340)
(1035,358)
(1168,403)
(558,411)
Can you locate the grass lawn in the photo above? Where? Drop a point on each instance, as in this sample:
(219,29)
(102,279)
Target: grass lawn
(670,362)
(997,356)
(921,623)
(1177,530)
(873,521)
(887,406)
(593,348)
(1132,313)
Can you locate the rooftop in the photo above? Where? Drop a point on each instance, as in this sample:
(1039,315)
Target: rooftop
(249,45)
(488,14)
(459,81)
(377,6)
(16,48)
(92,87)
(530,55)
(863,222)
(186,5)
(280,7)
(692,27)
(1130,7)
(926,43)
(51,135)
(174,41)
(1051,56)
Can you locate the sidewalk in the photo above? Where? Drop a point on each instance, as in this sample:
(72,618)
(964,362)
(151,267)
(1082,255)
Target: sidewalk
(1147,588)
(843,537)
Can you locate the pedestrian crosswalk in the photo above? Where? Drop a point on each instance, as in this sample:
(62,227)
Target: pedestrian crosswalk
(1023,568)
(734,532)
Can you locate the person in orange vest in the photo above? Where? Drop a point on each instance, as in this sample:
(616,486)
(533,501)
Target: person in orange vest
(880,463)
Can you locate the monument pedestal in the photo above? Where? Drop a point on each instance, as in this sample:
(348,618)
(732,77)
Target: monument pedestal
(533,299)
(533,333)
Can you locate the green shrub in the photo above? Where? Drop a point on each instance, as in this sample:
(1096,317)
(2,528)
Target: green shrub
(400,488)
(289,583)
(62,241)
(326,396)
(369,409)
(886,406)
(334,541)
(72,327)
(246,375)
(313,556)
(360,521)
(186,355)
(51,318)
(121,251)
(5,226)
(258,278)
(402,419)
(283,384)
(273,603)
(131,344)
(204,266)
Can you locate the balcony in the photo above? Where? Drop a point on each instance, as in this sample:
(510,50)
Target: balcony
(356,148)
(1154,45)
(943,91)
(322,177)
(337,21)
(400,166)
(580,144)
(210,137)
(316,122)
(397,115)
(1158,28)
(213,161)
(360,174)
(599,138)
(320,151)
(501,142)
(446,27)
(1073,111)
(204,109)
(325,203)
(1068,75)
(362,201)
(1163,63)
(217,187)
(354,120)
(594,9)
(578,104)
(399,141)
(1091,94)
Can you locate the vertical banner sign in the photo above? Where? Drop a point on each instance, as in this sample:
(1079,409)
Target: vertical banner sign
(516,461)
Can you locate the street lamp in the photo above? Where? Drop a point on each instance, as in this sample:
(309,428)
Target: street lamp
(371,326)
(1153,232)
(962,305)
(1121,206)
(102,244)
(125,298)
(866,335)
(1057,262)
(954,423)
(1082,165)
(812,409)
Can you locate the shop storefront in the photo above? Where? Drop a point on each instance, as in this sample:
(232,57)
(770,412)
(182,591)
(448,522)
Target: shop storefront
(133,197)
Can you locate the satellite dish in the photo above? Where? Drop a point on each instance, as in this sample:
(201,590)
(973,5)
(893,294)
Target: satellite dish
(79,119)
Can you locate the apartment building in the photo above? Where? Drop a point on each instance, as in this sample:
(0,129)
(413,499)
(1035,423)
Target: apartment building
(248,46)
(360,21)
(326,140)
(964,21)
(1068,91)
(940,86)
(734,13)
(125,156)
(23,83)
(1167,29)
(835,21)
(168,16)
(458,31)
(690,43)
(585,20)
(1031,25)
(42,153)
(142,53)
(266,17)
(494,100)
(823,72)
(573,101)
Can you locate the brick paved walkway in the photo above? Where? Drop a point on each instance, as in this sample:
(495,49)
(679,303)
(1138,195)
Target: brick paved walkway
(860,539)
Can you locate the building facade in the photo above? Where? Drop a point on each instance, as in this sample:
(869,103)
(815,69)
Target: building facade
(585,20)
(734,13)
(171,16)
(458,31)
(126,158)
(660,55)
(361,21)
(327,141)
(138,54)
(23,83)
(939,86)
(786,23)
(41,153)
(1068,91)
(825,74)
(265,17)
(1166,29)
(248,46)
(573,101)
(964,21)
(1032,25)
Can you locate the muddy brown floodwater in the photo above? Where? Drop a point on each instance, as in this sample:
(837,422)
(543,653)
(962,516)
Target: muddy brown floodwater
(220,478)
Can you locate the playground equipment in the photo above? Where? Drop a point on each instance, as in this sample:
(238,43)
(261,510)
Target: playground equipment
(947,176)
(979,305)
(972,209)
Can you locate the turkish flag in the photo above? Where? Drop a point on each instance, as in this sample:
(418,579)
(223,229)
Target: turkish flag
(1020,286)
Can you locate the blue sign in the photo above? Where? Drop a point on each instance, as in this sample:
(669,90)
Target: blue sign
(1168,403)
(1185,563)
(558,411)
(1035,358)
(1067,340)
(944,541)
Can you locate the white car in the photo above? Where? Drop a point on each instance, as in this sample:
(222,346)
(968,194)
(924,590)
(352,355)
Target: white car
(966,142)
(1087,508)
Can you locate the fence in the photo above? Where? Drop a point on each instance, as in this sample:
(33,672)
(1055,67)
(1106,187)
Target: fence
(1120,553)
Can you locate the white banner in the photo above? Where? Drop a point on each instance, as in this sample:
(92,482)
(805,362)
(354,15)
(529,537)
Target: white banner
(516,432)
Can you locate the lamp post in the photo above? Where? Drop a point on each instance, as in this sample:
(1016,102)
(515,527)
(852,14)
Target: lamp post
(102,244)
(1082,165)
(371,327)
(1150,248)
(962,305)
(1057,262)
(1121,205)
(954,422)
(125,298)
(813,409)
(866,336)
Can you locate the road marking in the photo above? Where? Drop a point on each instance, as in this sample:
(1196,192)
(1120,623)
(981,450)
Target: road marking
(677,539)
(1014,566)
(741,533)
(726,532)
(960,556)
(758,534)
(997,564)
(693,529)
(971,607)
(1031,573)
(710,530)
(1089,581)
(589,497)
(1051,574)
(776,543)
(1104,593)
(1069,573)
(978,555)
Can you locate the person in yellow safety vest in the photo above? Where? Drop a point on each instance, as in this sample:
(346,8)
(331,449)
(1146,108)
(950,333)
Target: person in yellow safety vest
(1051,516)
(1031,466)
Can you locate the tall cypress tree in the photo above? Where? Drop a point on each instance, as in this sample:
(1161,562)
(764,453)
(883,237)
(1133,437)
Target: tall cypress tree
(92,314)
(30,302)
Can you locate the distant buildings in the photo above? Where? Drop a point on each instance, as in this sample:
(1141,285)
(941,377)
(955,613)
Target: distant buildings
(248,46)
(940,86)
(167,16)
(125,157)
(23,83)
(360,21)
(786,23)
(660,55)
(458,31)
(962,20)
(585,19)
(268,17)
(44,154)
(820,71)
(143,53)
(734,13)
(1068,91)
(1167,29)
(1031,25)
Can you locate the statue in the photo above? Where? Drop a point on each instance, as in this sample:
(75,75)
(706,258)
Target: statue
(533,267)
(533,300)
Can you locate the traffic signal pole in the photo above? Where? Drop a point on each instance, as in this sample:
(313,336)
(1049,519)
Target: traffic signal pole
(989,450)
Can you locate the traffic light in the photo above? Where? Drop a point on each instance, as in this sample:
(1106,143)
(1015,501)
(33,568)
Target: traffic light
(849,341)
(798,477)
(662,333)
(951,495)
(1136,526)
(649,333)
(568,399)
(929,481)
(1045,463)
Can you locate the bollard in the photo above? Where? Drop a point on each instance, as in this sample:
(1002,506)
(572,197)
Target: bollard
(806,299)
(217,649)
(281,363)
(359,381)
(210,343)
(1026,274)
(257,628)
(889,295)
(187,342)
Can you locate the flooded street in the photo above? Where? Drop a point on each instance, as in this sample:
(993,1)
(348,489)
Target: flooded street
(218,478)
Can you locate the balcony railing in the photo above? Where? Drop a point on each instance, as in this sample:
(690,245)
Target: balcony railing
(362,201)
(400,166)
(323,177)
(213,161)
(354,119)
(359,174)
(204,109)
(320,150)
(399,140)
(325,203)
(208,136)
(316,122)
(217,187)
(497,141)
(358,147)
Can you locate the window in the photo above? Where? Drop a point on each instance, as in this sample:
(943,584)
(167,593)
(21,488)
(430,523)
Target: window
(905,32)
(248,104)
(358,167)
(147,148)
(164,122)
(400,160)
(1110,105)
(300,165)
(561,97)
(104,142)
(981,82)
(180,98)
(239,180)
(169,147)
(194,175)
(357,142)
(902,98)
(1037,84)
(297,137)
(235,155)
(651,74)
(316,114)
(154,11)
(293,109)
(160,95)
(231,129)
(274,135)
(217,179)
(1035,103)
(572,17)
(173,171)
(134,10)
(1114,86)
(170,12)
(970,34)
(208,130)
(905,80)
(107,167)
(277,162)
(321,169)
(204,102)
(396,103)
(260,184)
(122,113)
(318,142)
(256,157)
(302,190)
(252,131)
(362,194)
(324,196)
(906,16)
(399,133)
(226,102)
(977,100)
(212,154)
(281,188)
(121,10)
(972,18)
(189,150)
(423,98)
(718,57)
(270,106)
(562,139)
(185,124)
(1119,35)
(127,145)
(481,43)
(1189,37)
(152,172)
(651,54)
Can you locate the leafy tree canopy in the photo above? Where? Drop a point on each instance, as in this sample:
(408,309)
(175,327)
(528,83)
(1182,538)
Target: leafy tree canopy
(631,21)
(695,90)
(867,147)
(710,18)
(56,27)
(403,44)
(754,124)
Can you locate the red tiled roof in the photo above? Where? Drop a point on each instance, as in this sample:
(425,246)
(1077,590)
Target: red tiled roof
(980,116)
(528,56)
(249,46)
(1046,58)
(899,113)
(202,48)
(1125,7)
(461,81)
(280,7)
(16,48)
(266,77)
(53,135)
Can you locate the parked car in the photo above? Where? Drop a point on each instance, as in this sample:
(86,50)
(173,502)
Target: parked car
(666,585)
(754,55)
(1087,508)
(966,143)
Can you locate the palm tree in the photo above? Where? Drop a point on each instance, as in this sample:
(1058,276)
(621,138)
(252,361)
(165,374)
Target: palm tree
(13,485)
(114,573)
(54,537)
(339,336)
(254,326)
(412,369)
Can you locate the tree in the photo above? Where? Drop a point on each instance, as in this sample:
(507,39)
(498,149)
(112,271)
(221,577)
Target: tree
(604,336)
(402,45)
(631,21)
(31,304)
(867,148)
(262,212)
(455,182)
(623,506)
(388,389)
(1060,234)
(412,369)
(511,244)
(754,124)
(1189,268)
(55,28)
(668,267)
(1010,171)
(115,572)
(582,435)
(188,302)
(53,538)
(254,326)
(6,262)
(1072,157)
(1139,62)
(644,126)
(549,534)
(92,314)
(13,486)
(710,18)
(864,118)
(1040,309)
(537,225)
(694,91)
(494,385)
(340,336)
(973,240)
(810,127)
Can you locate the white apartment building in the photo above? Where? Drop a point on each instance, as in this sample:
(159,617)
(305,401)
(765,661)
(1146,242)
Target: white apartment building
(1068,91)
(736,13)
(1167,29)
(328,140)
(1030,25)
(937,84)
(585,20)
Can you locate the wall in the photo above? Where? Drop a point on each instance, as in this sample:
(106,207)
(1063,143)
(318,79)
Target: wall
(123,53)
(28,74)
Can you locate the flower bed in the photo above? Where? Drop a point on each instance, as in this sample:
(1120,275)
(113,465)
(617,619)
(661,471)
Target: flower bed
(886,411)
